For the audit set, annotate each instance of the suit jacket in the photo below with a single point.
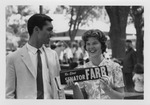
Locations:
(20, 75)
(129, 61)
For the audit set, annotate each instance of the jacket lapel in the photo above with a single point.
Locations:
(53, 86)
(27, 60)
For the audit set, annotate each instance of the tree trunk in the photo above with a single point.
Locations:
(71, 24)
(118, 18)
(139, 24)
(74, 24)
(139, 45)
(41, 9)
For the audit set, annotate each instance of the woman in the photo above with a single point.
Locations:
(111, 87)
(138, 78)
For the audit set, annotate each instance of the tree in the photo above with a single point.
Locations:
(79, 16)
(137, 13)
(17, 26)
(118, 19)
(21, 12)
(43, 10)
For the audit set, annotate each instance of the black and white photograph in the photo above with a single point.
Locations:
(85, 52)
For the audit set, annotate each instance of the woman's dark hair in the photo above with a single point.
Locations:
(96, 34)
(138, 68)
(38, 20)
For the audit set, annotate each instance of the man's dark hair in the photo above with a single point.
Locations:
(129, 41)
(38, 20)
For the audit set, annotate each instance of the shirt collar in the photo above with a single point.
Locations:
(33, 49)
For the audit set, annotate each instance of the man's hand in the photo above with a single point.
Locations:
(71, 84)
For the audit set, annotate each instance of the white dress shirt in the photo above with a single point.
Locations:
(68, 53)
(45, 73)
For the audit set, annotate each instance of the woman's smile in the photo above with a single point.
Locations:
(93, 46)
(93, 50)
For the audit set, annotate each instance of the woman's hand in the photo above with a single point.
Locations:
(104, 84)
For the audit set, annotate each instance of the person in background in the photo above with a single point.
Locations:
(59, 49)
(129, 62)
(30, 71)
(78, 53)
(110, 87)
(68, 55)
(73, 47)
(138, 78)
(52, 46)
(85, 53)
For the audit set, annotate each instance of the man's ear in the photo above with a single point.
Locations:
(36, 29)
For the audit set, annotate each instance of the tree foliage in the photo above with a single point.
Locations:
(16, 21)
(79, 16)
(20, 11)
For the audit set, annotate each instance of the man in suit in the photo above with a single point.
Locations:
(30, 71)
(129, 62)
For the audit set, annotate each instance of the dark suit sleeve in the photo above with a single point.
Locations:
(10, 78)
(134, 57)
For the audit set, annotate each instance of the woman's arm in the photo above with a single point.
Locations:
(113, 93)
(117, 93)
